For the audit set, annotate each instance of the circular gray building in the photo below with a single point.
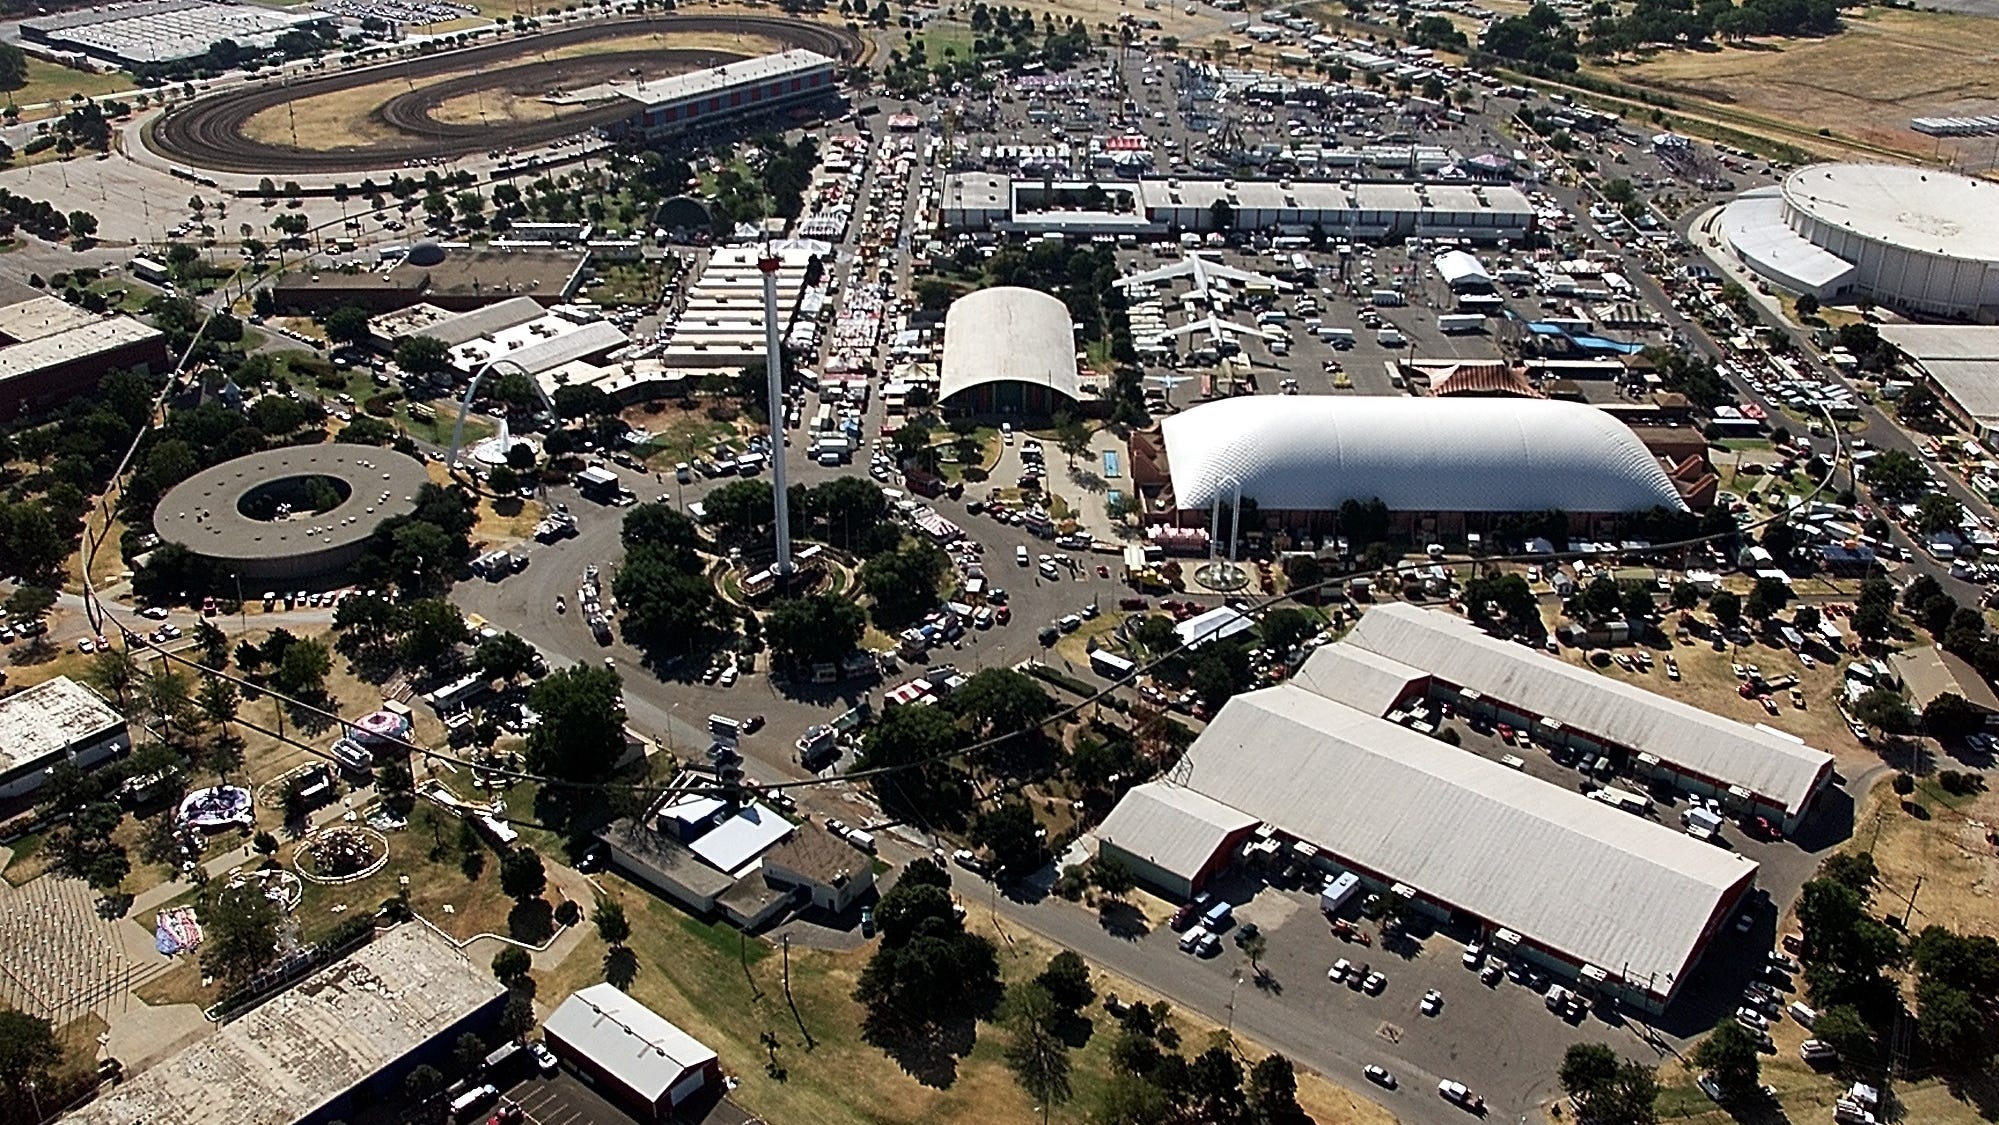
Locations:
(1917, 239)
(290, 513)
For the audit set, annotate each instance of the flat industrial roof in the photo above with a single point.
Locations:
(1594, 883)
(1331, 195)
(1962, 358)
(48, 719)
(1768, 765)
(1366, 681)
(1926, 209)
(311, 1043)
(202, 513)
(714, 79)
(42, 316)
(102, 334)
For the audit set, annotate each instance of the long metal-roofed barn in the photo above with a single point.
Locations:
(1752, 769)
(1621, 903)
(1457, 455)
(1008, 350)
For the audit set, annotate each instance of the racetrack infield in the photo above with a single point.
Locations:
(359, 120)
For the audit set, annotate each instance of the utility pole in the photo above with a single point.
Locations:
(1911, 908)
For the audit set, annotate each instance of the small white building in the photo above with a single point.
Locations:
(53, 722)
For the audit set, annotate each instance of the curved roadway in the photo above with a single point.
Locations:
(211, 132)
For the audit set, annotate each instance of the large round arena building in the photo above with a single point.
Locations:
(1914, 239)
(290, 513)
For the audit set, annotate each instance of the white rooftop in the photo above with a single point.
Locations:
(1598, 885)
(714, 79)
(1172, 827)
(738, 841)
(633, 1043)
(1753, 223)
(1766, 764)
(1924, 209)
(50, 718)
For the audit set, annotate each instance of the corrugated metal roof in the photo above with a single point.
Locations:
(1599, 885)
(1760, 761)
(1755, 226)
(635, 1044)
(1176, 829)
(1367, 681)
(1413, 454)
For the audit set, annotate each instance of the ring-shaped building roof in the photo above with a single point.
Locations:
(1008, 334)
(1312, 453)
(204, 512)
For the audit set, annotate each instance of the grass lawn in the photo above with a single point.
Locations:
(679, 433)
(53, 82)
(729, 991)
(625, 284)
(27, 860)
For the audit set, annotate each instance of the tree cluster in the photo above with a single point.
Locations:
(1608, 1090)
(581, 735)
(664, 595)
(928, 970)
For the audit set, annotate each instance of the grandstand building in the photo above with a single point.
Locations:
(731, 91)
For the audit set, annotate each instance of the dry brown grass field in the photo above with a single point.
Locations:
(1864, 85)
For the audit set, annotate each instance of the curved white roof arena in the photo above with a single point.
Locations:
(1414, 454)
(1008, 334)
(1921, 209)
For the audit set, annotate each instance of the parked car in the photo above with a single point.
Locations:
(1379, 1076)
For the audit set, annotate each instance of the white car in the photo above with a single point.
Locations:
(1433, 1002)
(1474, 953)
(156, 612)
(1338, 973)
(1751, 1018)
(1374, 983)
(1379, 1076)
(1048, 571)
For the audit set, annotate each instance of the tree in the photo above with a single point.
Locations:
(1035, 1051)
(82, 225)
(1950, 717)
(301, 672)
(1010, 833)
(423, 1083)
(1731, 1055)
(1273, 1090)
(813, 629)
(30, 603)
(347, 324)
(1608, 1090)
(1726, 607)
(1841, 1028)
(503, 657)
(522, 876)
(1002, 701)
(581, 735)
(1807, 306)
(1072, 436)
(665, 600)
(432, 629)
(1884, 709)
(903, 582)
(511, 964)
(1767, 599)
(239, 932)
(1893, 473)
(1066, 980)
(927, 968)
(423, 355)
(612, 925)
(1939, 512)
(29, 1052)
(1112, 878)
(1284, 629)
(1951, 1024)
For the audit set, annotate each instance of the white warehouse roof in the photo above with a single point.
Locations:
(1593, 883)
(1768, 765)
(1174, 828)
(1008, 333)
(1349, 674)
(1311, 453)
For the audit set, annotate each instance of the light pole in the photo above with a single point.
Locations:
(770, 263)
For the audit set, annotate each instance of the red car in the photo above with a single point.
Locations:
(1131, 603)
(1003, 614)
(1761, 828)
(1506, 734)
(1103, 571)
